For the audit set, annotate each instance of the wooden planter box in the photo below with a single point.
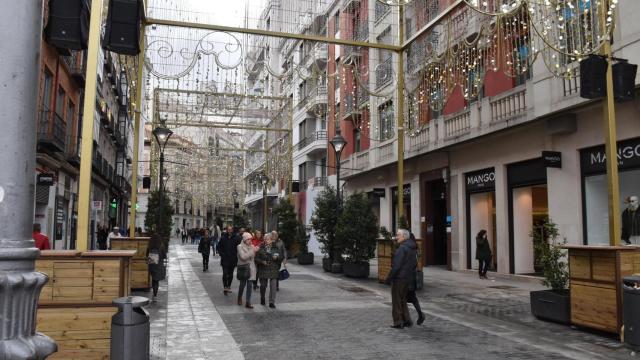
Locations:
(139, 268)
(75, 305)
(386, 248)
(596, 274)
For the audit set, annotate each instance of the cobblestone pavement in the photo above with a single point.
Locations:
(326, 316)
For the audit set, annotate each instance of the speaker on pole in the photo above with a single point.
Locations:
(146, 182)
(122, 34)
(68, 24)
(624, 81)
(295, 186)
(593, 71)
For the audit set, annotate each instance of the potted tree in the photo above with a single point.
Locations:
(159, 223)
(287, 224)
(324, 222)
(357, 231)
(553, 304)
(304, 256)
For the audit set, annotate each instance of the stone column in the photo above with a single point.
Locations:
(20, 285)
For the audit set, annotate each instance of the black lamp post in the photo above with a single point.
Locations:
(265, 181)
(338, 142)
(234, 194)
(162, 135)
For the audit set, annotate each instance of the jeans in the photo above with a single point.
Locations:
(227, 276)
(483, 266)
(399, 307)
(214, 245)
(244, 283)
(272, 289)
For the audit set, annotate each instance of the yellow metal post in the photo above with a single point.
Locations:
(400, 113)
(610, 141)
(136, 138)
(84, 188)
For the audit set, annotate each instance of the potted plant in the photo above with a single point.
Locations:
(357, 230)
(553, 304)
(161, 223)
(304, 256)
(287, 224)
(324, 222)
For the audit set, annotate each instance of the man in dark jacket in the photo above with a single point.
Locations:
(228, 250)
(402, 271)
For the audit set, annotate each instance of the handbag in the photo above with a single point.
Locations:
(244, 272)
(284, 274)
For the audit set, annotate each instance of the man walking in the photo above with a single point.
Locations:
(228, 250)
(215, 237)
(402, 268)
(42, 241)
(114, 234)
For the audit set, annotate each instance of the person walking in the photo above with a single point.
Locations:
(204, 248)
(256, 241)
(269, 259)
(247, 271)
(403, 267)
(280, 245)
(215, 237)
(228, 250)
(42, 240)
(183, 234)
(102, 234)
(483, 253)
(412, 298)
(156, 255)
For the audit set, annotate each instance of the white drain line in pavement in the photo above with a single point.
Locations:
(192, 316)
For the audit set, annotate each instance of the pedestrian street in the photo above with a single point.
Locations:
(323, 316)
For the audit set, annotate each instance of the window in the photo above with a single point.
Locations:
(323, 167)
(385, 112)
(336, 22)
(46, 90)
(356, 140)
(60, 102)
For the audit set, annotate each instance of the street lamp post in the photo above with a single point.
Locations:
(338, 142)
(265, 181)
(234, 194)
(20, 285)
(162, 135)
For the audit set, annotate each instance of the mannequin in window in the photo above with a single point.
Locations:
(631, 222)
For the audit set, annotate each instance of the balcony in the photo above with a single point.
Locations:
(319, 181)
(52, 132)
(73, 149)
(76, 64)
(351, 110)
(350, 5)
(509, 106)
(317, 97)
(97, 162)
(457, 125)
(316, 141)
(362, 97)
(381, 10)
(384, 72)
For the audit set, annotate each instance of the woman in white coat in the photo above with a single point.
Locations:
(246, 271)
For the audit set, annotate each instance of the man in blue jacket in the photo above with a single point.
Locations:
(403, 266)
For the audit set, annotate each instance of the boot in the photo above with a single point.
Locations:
(239, 302)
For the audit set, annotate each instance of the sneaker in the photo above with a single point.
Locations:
(400, 326)
(248, 306)
(239, 302)
(262, 302)
(421, 318)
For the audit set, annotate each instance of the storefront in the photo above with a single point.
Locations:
(481, 212)
(594, 188)
(528, 205)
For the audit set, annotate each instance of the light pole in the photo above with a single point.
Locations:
(162, 135)
(234, 194)
(265, 181)
(20, 285)
(338, 142)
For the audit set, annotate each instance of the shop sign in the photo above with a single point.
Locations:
(593, 160)
(380, 192)
(45, 179)
(406, 191)
(482, 180)
(96, 205)
(552, 159)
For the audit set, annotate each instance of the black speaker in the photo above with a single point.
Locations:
(295, 186)
(593, 83)
(122, 34)
(68, 24)
(624, 81)
(146, 182)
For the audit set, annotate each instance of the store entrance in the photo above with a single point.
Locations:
(482, 216)
(436, 221)
(530, 208)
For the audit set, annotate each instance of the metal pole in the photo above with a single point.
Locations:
(161, 192)
(20, 285)
(264, 208)
(136, 139)
(611, 146)
(400, 114)
(336, 266)
(84, 186)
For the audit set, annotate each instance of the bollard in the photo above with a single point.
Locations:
(130, 329)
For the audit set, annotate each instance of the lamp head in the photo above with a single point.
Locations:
(162, 135)
(338, 142)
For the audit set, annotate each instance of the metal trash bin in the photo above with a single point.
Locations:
(631, 310)
(130, 329)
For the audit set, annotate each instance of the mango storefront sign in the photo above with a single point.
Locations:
(593, 160)
(481, 180)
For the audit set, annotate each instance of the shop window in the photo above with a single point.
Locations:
(386, 114)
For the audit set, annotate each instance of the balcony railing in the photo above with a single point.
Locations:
(350, 106)
(571, 85)
(509, 106)
(381, 10)
(362, 161)
(319, 181)
(52, 131)
(458, 124)
(385, 151)
(384, 73)
(317, 135)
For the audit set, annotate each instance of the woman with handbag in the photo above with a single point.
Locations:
(246, 271)
(156, 255)
(269, 258)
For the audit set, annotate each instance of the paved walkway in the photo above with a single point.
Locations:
(325, 316)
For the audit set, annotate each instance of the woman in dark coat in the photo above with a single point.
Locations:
(269, 258)
(483, 253)
(228, 250)
(204, 248)
(156, 255)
